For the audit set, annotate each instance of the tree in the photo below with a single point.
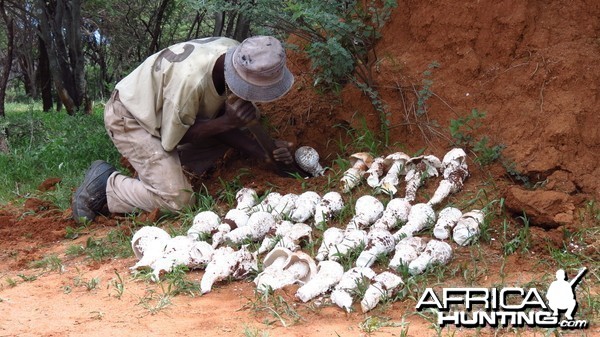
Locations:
(10, 36)
(60, 30)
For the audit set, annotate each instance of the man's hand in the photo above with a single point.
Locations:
(282, 152)
(239, 112)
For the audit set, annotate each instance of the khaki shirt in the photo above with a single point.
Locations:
(173, 87)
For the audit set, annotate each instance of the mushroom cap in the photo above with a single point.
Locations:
(308, 160)
(456, 154)
(237, 216)
(246, 198)
(369, 208)
(204, 223)
(365, 157)
(146, 237)
(397, 157)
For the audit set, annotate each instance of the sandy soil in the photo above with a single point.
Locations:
(529, 65)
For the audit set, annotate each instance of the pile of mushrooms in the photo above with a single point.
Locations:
(281, 225)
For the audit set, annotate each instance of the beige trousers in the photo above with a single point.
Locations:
(161, 182)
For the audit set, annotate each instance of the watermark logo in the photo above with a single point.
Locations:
(510, 306)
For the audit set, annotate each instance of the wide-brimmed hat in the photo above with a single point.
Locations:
(255, 70)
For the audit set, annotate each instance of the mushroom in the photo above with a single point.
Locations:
(308, 160)
(201, 254)
(383, 285)
(329, 273)
(204, 224)
(257, 227)
(246, 198)
(396, 212)
(407, 250)
(353, 176)
(227, 262)
(420, 217)
(396, 162)
(447, 219)
(331, 237)
(148, 244)
(236, 218)
(283, 267)
(351, 280)
(353, 239)
(436, 252)
(376, 171)
(286, 235)
(268, 203)
(218, 237)
(467, 229)
(305, 206)
(417, 170)
(379, 242)
(285, 206)
(177, 252)
(454, 168)
(330, 205)
(366, 211)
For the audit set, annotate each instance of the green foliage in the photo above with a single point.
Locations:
(462, 128)
(43, 145)
(425, 92)
(340, 35)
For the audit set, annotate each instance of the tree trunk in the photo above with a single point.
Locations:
(219, 23)
(60, 29)
(44, 79)
(10, 34)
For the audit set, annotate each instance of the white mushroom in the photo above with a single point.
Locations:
(331, 237)
(283, 267)
(360, 163)
(246, 198)
(285, 207)
(201, 253)
(446, 220)
(218, 237)
(177, 252)
(376, 171)
(420, 217)
(383, 285)
(329, 273)
(342, 294)
(227, 262)
(396, 162)
(418, 170)
(287, 235)
(379, 242)
(454, 167)
(204, 224)
(330, 205)
(436, 252)
(257, 227)
(148, 245)
(236, 218)
(308, 160)
(268, 203)
(407, 250)
(396, 212)
(305, 206)
(366, 211)
(467, 228)
(353, 239)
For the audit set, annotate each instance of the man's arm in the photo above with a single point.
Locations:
(236, 114)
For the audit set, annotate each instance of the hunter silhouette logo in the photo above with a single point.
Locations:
(509, 306)
(561, 293)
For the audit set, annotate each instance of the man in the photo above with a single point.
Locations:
(173, 112)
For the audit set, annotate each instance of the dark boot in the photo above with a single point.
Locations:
(90, 197)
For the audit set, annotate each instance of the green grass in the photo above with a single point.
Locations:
(50, 144)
